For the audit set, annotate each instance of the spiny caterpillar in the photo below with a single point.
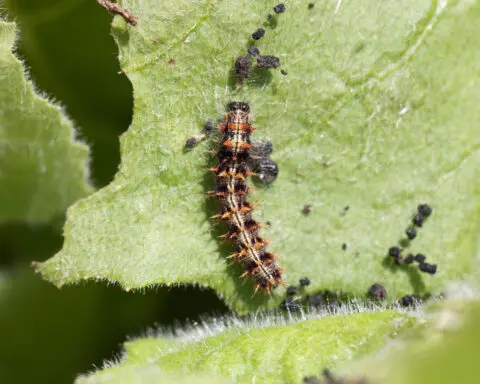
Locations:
(235, 158)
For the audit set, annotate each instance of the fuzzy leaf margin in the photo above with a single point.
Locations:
(276, 351)
(43, 169)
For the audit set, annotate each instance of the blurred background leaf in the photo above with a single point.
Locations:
(454, 359)
(71, 56)
(442, 353)
(42, 168)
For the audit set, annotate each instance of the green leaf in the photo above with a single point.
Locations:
(378, 112)
(452, 361)
(42, 168)
(152, 374)
(442, 353)
(83, 77)
(269, 353)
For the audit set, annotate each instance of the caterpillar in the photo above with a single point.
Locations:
(235, 156)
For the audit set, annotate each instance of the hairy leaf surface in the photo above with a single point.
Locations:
(268, 353)
(378, 113)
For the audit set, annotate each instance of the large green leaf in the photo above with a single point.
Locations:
(42, 168)
(268, 353)
(378, 112)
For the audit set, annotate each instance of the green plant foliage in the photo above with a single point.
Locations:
(152, 374)
(271, 353)
(378, 112)
(76, 327)
(442, 353)
(42, 167)
(67, 47)
(455, 360)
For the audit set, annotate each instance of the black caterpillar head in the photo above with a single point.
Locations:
(238, 105)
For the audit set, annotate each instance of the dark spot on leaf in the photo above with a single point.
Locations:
(191, 142)
(418, 220)
(377, 292)
(258, 34)
(279, 8)
(267, 169)
(304, 281)
(242, 66)
(254, 51)
(411, 233)
(307, 208)
(428, 268)
(208, 126)
(292, 290)
(261, 148)
(420, 258)
(317, 300)
(311, 380)
(408, 300)
(290, 305)
(268, 61)
(424, 210)
(394, 252)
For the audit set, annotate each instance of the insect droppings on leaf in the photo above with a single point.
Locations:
(268, 61)
(242, 67)
(307, 208)
(304, 282)
(411, 233)
(258, 34)
(254, 51)
(377, 292)
(279, 8)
